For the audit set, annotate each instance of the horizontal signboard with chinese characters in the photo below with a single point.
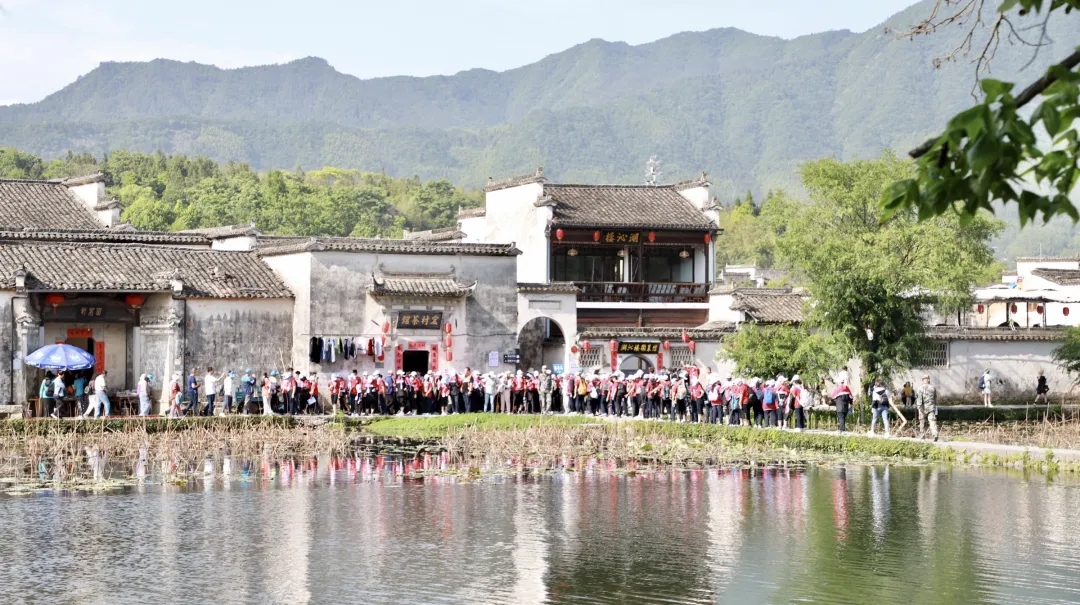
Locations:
(419, 320)
(621, 237)
(639, 347)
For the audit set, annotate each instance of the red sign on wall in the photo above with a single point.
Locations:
(659, 359)
(80, 333)
(99, 357)
(417, 346)
(399, 357)
(433, 359)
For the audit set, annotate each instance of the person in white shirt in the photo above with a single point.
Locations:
(230, 391)
(101, 397)
(59, 391)
(984, 388)
(142, 389)
(210, 384)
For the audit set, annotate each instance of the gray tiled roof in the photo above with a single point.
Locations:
(104, 235)
(770, 306)
(139, 268)
(710, 331)
(427, 285)
(270, 246)
(525, 179)
(224, 231)
(42, 205)
(444, 234)
(555, 287)
(630, 206)
(1061, 277)
(472, 213)
(1024, 334)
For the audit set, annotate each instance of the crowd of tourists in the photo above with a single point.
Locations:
(690, 394)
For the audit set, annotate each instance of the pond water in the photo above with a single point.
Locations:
(358, 531)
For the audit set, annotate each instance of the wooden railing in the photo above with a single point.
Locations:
(638, 292)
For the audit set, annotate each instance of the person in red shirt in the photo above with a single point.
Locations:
(798, 395)
(783, 394)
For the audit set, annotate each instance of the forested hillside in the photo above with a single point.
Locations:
(163, 193)
(747, 109)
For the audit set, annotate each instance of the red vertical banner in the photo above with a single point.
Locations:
(659, 359)
(99, 357)
(433, 359)
(614, 359)
(399, 357)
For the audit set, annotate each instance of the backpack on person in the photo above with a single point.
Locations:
(982, 382)
(806, 398)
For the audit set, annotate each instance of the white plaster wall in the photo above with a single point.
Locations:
(511, 216)
(560, 308)
(698, 196)
(1024, 268)
(1014, 365)
(475, 229)
(90, 193)
(295, 271)
(242, 243)
(720, 308)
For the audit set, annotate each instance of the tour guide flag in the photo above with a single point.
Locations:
(60, 357)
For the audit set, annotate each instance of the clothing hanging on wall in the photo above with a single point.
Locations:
(315, 352)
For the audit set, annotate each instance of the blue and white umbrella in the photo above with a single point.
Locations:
(60, 357)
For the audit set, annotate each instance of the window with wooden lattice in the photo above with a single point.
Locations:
(934, 355)
(592, 358)
(678, 357)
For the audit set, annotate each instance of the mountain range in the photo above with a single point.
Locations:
(748, 109)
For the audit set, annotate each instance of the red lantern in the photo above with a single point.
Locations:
(596, 236)
(1065, 311)
(449, 356)
(708, 237)
(614, 344)
(54, 300)
(585, 346)
(981, 309)
(692, 346)
(1038, 308)
(573, 349)
(448, 328)
(667, 345)
(385, 327)
(134, 300)
(685, 336)
(559, 233)
(652, 236)
(1012, 308)
(449, 342)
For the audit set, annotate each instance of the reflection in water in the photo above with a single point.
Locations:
(371, 530)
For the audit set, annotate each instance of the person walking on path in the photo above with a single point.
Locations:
(879, 401)
(1041, 389)
(926, 403)
(842, 398)
(45, 393)
(984, 387)
(229, 391)
(210, 388)
(142, 389)
(101, 397)
(546, 385)
(192, 393)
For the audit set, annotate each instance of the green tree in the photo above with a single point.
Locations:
(1067, 354)
(993, 151)
(770, 350)
(868, 275)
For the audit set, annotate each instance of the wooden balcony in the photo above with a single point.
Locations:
(624, 292)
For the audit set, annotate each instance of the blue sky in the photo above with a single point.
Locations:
(46, 44)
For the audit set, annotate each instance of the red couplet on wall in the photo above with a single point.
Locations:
(417, 346)
(99, 357)
(433, 359)
(659, 359)
(399, 357)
